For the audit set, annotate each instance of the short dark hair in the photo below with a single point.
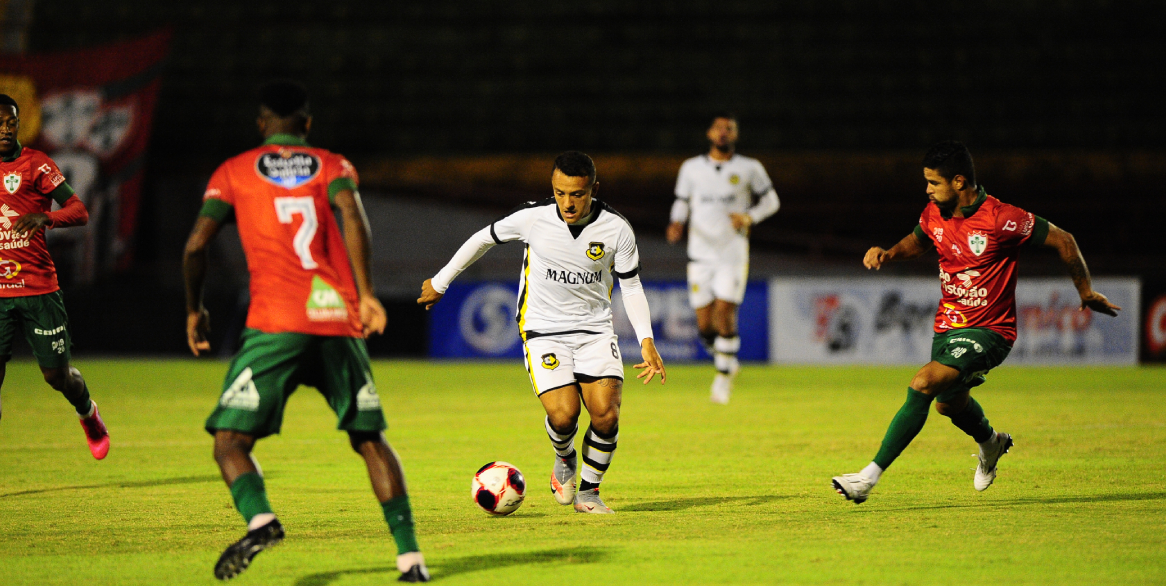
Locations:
(6, 100)
(575, 164)
(950, 158)
(723, 114)
(285, 98)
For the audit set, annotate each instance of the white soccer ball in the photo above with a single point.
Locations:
(498, 488)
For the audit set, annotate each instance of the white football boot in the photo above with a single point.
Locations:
(588, 501)
(722, 386)
(563, 479)
(855, 487)
(986, 471)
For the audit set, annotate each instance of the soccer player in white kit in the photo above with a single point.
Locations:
(574, 246)
(715, 195)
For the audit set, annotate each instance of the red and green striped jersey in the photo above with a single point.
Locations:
(977, 262)
(31, 182)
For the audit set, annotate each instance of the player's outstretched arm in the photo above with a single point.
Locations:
(1066, 246)
(652, 364)
(433, 289)
(358, 243)
(194, 263)
(907, 248)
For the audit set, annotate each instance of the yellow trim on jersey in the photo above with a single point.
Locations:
(525, 293)
(529, 366)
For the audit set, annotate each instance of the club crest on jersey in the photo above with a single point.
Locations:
(12, 182)
(287, 168)
(550, 361)
(977, 242)
(734, 179)
(595, 250)
(9, 268)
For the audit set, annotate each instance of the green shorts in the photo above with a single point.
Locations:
(45, 325)
(269, 368)
(973, 352)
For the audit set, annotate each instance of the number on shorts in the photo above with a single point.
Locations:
(614, 350)
(59, 346)
(285, 208)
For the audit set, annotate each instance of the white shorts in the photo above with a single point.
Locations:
(712, 280)
(554, 361)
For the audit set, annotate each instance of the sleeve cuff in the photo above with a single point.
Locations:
(62, 193)
(921, 236)
(340, 184)
(216, 209)
(1040, 231)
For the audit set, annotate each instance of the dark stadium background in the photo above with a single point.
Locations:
(452, 111)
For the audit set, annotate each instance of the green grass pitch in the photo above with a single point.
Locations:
(704, 494)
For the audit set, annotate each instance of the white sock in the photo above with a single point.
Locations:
(872, 471)
(406, 561)
(987, 445)
(260, 520)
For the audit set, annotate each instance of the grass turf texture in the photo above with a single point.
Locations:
(704, 494)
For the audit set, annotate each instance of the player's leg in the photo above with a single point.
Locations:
(931, 380)
(550, 364)
(974, 352)
(45, 325)
(700, 297)
(725, 349)
(259, 381)
(343, 374)
(599, 369)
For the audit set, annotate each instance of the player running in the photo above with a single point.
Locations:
(30, 300)
(714, 195)
(312, 305)
(978, 239)
(574, 245)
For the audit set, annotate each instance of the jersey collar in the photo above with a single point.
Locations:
(285, 140)
(15, 153)
(576, 229)
(969, 210)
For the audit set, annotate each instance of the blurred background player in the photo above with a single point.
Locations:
(978, 239)
(715, 195)
(312, 305)
(30, 299)
(574, 245)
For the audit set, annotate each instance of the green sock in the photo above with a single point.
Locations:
(82, 403)
(973, 422)
(250, 495)
(400, 519)
(904, 427)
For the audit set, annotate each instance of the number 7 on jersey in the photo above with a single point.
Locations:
(285, 208)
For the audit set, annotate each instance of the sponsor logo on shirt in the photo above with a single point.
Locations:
(7, 213)
(595, 250)
(287, 168)
(325, 303)
(9, 268)
(550, 361)
(12, 182)
(965, 288)
(977, 242)
(574, 278)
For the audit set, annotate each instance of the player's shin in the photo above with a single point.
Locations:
(908, 422)
(725, 354)
(564, 443)
(250, 496)
(973, 422)
(597, 451)
(399, 516)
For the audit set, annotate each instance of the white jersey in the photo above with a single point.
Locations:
(567, 272)
(713, 190)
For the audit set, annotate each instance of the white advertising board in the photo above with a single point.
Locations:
(880, 320)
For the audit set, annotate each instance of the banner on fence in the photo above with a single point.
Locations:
(889, 321)
(476, 320)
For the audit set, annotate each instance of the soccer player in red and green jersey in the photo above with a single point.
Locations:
(978, 239)
(30, 300)
(312, 305)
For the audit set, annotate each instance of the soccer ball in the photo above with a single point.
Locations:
(498, 488)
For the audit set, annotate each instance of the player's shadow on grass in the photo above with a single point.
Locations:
(1035, 500)
(464, 565)
(138, 484)
(688, 503)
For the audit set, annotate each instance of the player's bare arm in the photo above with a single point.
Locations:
(358, 243)
(1066, 246)
(675, 232)
(907, 248)
(652, 364)
(429, 296)
(194, 263)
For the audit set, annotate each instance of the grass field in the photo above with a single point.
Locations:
(705, 494)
